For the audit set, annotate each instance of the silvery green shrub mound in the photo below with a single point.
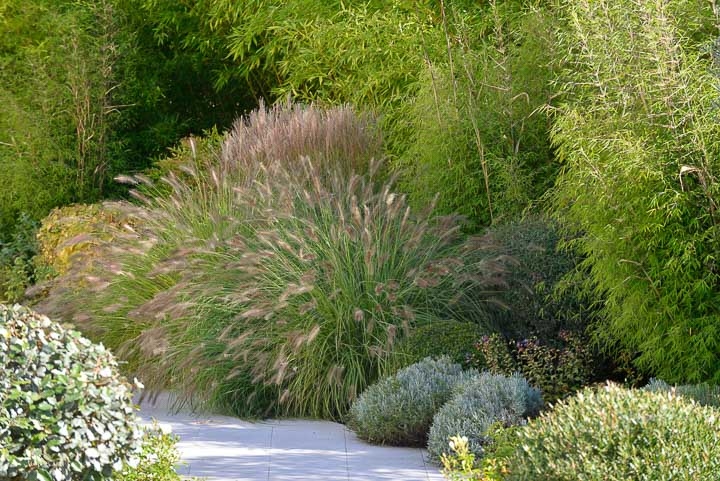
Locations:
(704, 394)
(65, 412)
(618, 434)
(484, 401)
(398, 410)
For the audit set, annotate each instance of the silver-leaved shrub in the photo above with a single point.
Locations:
(65, 412)
(484, 401)
(704, 394)
(399, 409)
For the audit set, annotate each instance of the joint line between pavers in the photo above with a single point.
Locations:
(427, 473)
(347, 461)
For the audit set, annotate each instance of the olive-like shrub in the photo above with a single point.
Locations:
(614, 434)
(486, 400)
(65, 413)
(399, 409)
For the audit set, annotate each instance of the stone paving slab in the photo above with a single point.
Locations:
(222, 448)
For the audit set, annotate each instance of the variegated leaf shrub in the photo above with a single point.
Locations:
(65, 413)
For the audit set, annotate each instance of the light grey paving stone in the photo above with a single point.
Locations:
(308, 472)
(375, 463)
(298, 464)
(304, 425)
(222, 448)
(284, 440)
(358, 454)
(383, 474)
(434, 470)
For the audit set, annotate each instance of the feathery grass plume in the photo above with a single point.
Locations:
(254, 286)
(339, 270)
(124, 290)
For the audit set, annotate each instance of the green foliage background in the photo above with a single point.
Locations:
(90, 90)
(638, 136)
(602, 113)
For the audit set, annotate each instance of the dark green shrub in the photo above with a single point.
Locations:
(65, 413)
(541, 300)
(440, 338)
(496, 354)
(614, 434)
(556, 371)
(398, 410)
(482, 402)
(704, 394)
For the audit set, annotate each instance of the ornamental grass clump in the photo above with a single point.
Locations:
(65, 413)
(399, 409)
(278, 276)
(614, 434)
(484, 401)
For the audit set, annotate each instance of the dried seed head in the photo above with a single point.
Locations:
(313, 333)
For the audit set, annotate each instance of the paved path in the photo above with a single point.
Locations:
(221, 448)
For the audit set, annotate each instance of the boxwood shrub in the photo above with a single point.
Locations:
(617, 434)
(535, 305)
(65, 413)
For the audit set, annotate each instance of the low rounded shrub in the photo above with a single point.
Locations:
(484, 401)
(617, 434)
(440, 338)
(399, 409)
(704, 394)
(65, 413)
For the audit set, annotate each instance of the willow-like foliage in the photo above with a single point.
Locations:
(639, 137)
